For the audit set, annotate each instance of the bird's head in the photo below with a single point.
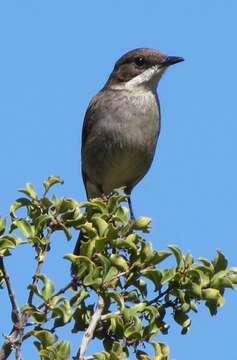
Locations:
(141, 66)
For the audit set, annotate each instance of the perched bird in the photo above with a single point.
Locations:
(122, 124)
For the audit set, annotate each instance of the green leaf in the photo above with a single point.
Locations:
(2, 225)
(119, 262)
(208, 264)
(100, 224)
(167, 275)
(178, 255)
(25, 227)
(153, 312)
(89, 230)
(142, 223)
(130, 312)
(29, 191)
(97, 205)
(52, 180)
(133, 330)
(146, 252)
(220, 281)
(62, 313)
(204, 272)
(232, 275)
(73, 218)
(159, 256)
(220, 262)
(112, 272)
(154, 275)
(121, 215)
(211, 294)
(101, 356)
(94, 278)
(124, 244)
(63, 350)
(82, 259)
(105, 262)
(21, 202)
(117, 350)
(195, 275)
(9, 242)
(142, 355)
(65, 205)
(118, 298)
(100, 244)
(87, 247)
(188, 260)
(55, 300)
(115, 200)
(77, 299)
(133, 296)
(81, 264)
(116, 325)
(112, 232)
(47, 354)
(195, 290)
(39, 316)
(45, 337)
(48, 288)
(161, 351)
(41, 221)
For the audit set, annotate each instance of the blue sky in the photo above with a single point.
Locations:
(55, 55)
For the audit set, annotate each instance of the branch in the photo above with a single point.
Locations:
(88, 335)
(7, 346)
(15, 310)
(11, 341)
(19, 321)
(40, 261)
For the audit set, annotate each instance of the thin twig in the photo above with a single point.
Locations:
(18, 353)
(19, 321)
(116, 277)
(89, 333)
(158, 297)
(16, 314)
(11, 341)
(34, 281)
(40, 261)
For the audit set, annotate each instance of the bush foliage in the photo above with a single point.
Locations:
(121, 293)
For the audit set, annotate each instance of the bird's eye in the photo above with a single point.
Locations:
(139, 61)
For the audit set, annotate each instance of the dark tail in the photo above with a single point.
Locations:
(76, 251)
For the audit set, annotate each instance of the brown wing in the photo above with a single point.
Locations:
(89, 121)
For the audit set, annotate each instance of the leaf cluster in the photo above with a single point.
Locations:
(116, 263)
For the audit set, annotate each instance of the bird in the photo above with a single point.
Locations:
(122, 125)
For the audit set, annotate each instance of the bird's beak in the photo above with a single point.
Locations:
(171, 60)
